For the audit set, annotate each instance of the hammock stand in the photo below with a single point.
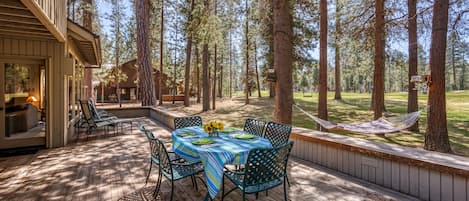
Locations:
(379, 126)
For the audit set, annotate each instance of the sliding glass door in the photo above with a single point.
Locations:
(22, 103)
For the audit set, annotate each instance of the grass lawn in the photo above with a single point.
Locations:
(353, 108)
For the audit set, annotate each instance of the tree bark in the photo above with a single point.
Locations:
(463, 74)
(412, 98)
(117, 55)
(220, 83)
(143, 53)
(453, 64)
(214, 95)
(187, 75)
(205, 77)
(160, 79)
(322, 98)
(197, 56)
(257, 71)
(283, 60)
(436, 136)
(214, 91)
(205, 69)
(246, 84)
(174, 87)
(378, 76)
(338, 88)
(88, 24)
(231, 66)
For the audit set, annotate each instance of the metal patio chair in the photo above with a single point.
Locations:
(278, 134)
(182, 122)
(255, 126)
(172, 170)
(99, 114)
(89, 122)
(154, 159)
(264, 170)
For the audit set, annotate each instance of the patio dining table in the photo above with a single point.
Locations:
(225, 149)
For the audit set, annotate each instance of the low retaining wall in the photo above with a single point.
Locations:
(130, 112)
(422, 174)
(160, 114)
(164, 116)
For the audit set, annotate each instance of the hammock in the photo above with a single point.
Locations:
(379, 126)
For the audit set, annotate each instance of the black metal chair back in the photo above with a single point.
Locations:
(87, 114)
(147, 132)
(278, 134)
(255, 126)
(164, 159)
(182, 122)
(266, 165)
(93, 109)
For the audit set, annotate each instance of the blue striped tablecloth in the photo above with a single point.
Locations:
(225, 150)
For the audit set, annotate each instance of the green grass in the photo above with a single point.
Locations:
(356, 108)
(352, 108)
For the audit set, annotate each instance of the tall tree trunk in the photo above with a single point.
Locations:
(463, 74)
(88, 24)
(187, 75)
(338, 88)
(214, 95)
(378, 76)
(322, 98)
(283, 60)
(436, 136)
(205, 68)
(412, 98)
(205, 77)
(453, 64)
(73, 10)
(197, 56)
(246, 84)
(257, 71)
(117, 56)
(143, 53)
(160, 79)
(231, 65)
(174, 87)
(220, 80)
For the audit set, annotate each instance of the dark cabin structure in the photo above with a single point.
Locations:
(129, 88)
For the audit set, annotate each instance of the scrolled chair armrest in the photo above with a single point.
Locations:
(184, 163)
(235, 171)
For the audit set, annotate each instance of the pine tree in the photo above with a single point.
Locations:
(143, 52)
(436, 136)
(283, 60)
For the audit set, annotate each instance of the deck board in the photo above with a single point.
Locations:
(114, 168)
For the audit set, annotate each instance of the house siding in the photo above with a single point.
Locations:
(54, 55)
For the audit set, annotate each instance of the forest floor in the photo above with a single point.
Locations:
(352, 108)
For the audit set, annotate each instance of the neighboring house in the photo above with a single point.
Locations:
(42, 60)
(129, 90)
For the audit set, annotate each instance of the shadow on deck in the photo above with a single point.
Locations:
(114, 168)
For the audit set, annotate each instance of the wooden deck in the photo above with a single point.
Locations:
(114, 168)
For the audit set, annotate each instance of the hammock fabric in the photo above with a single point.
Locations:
(381, 125)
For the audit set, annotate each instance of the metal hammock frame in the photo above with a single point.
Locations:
(379, 126)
